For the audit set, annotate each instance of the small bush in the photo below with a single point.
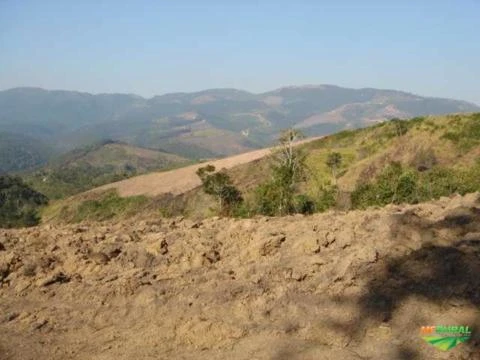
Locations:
(334, 161)
(327, 198)
(452, 136)
(272, 199)
(304, 205)
(406, 188)
(243, 210)
(220, 185)
(391, 186)
(438, 182)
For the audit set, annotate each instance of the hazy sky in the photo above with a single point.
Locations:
(153, 47)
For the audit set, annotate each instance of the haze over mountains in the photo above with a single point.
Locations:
(35, 123)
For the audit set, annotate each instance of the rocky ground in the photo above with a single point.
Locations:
(355, 285)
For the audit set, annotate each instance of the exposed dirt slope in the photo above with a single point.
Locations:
(354, 285)
(181, 180)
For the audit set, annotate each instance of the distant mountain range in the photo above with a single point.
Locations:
(210, 123)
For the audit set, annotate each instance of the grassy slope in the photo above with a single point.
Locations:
(84, 168)
(454, 140)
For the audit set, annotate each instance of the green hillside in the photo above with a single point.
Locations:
(392, 162)
(18, 152)
(396, 161)
(98, 164)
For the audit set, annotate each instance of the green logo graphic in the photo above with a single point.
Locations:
(445, 337)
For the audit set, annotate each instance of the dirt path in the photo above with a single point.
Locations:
(329, 286)
(181, 180)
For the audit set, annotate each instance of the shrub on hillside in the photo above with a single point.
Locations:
(303, 204)
(270, 200)
(393, 185)
(327, 198)
(220, 185)
(400, 127)
(18, 203)
(438, 182)
(334, 161)
(396, 184)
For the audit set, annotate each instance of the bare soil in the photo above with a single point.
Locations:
(355, 285)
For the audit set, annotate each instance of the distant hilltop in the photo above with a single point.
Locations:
(36, 124)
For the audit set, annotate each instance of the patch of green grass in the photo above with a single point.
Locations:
(398, 184)
(416, 120)
(464, 131)
(111, 205)
(366, 150)
(345, 134)
(206, 133)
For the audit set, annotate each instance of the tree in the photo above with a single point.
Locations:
(287, 155)
(334, 161)
(220, 185)
(276, 197)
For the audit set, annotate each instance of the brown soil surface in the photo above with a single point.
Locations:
(355, 285)
(180, 180)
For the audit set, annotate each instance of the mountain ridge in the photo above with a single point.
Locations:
(211, 123)
(299, 87)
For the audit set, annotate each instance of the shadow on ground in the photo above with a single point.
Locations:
(445, 271)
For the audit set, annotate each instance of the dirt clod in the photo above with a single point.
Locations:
(59, 277)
